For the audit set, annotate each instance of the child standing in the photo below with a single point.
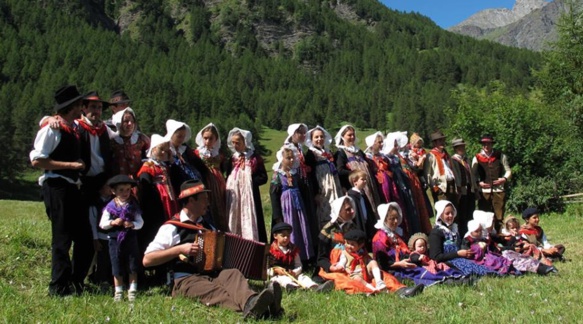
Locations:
(364, 216)
(287, 203)
(245, 173)
(285, 263)
(122, 217)
(357, 263)
(535, 235)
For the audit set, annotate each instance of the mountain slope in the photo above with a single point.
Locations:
(530, 24)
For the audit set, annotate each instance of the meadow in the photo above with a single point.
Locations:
(25, 272)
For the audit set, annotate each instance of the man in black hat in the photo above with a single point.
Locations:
(491, 171)
(228, 288)
(119, 101)
(465, 185)
(57, 152)
(438, 172)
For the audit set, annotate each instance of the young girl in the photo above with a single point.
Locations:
(535, 235)
(129, 146)
(185, 165)
(209, 145)
(122, 217)
(445, 241)
(350, 158)
(287, 203)
(419, 246)
(356, 263)
(325, 181)
(245, 173)
(285, 264)
(475, 241)
(295, 141)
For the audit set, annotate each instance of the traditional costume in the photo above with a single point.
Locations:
(128, 151)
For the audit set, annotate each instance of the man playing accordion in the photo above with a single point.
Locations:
(227, 288)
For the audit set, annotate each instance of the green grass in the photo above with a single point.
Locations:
(25, 272)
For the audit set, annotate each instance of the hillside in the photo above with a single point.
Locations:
(246, 64)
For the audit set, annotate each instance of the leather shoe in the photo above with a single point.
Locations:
(275, 308)
(325, 287)
(407, 292)
(258, 304)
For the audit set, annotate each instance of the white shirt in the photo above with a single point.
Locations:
(46, 141)
(167, 236)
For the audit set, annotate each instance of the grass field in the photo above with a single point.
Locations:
(25, 272)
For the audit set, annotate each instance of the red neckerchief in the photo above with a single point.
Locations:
(93, 130)
(359, 258)
(279, 255)
(440, 156)
(535, 230)
(483, 158)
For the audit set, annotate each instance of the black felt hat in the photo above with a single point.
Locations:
(527, 213)
(119, 97)
(191, 188)
(94, 96)
(281, 227)
(355, 235)
(65, 96)
(487, 138)
(121, 179)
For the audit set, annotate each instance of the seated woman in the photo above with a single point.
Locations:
(445, 242)
(329, 252)
(393, 254)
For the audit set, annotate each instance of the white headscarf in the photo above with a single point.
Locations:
(389, 143)
(337, 206)
(155, 140)
(473, 225)
(291, 129)
(340, 141)
(439, 209)
(117, 119)
(171, 127)
(279, 157)
(383, 210)
(247, 136)
(485, 219)
(327, 137)
(371, 139)
(202, 149)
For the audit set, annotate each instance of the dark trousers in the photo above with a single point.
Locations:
(449, 194)
(69, 224)
(465, 211)
(102, 269)
(494, 202)
(229, 289)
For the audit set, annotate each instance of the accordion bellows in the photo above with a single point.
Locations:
(230, 251)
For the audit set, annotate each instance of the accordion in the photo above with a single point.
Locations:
(220, 250)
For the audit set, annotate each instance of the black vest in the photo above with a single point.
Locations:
(488, 172)
(67, 151)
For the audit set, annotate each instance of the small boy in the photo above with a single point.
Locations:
(122, 217)
(100, 274)
(357, 263)
(285, 264)
(364, 216)
(535, 235)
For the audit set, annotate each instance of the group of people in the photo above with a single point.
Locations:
(146, 197)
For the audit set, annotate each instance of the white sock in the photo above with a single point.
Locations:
(376, 273)
(134, 286)
(118, 288)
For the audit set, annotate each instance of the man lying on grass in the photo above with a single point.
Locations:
(227, 288)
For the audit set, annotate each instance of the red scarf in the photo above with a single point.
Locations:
(483, 158)
(440, 156)
(93, 130)
(285, 258)
(359, 259)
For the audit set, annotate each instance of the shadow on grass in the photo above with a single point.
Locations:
(20, 190)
